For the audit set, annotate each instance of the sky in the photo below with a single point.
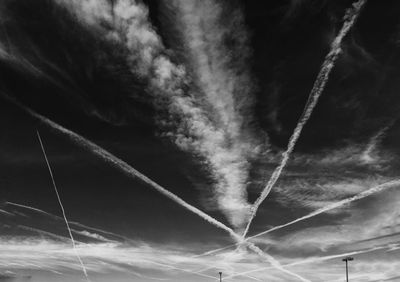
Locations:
(190, 137)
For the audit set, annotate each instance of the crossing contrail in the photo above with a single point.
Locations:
(319, 85)
(374, 190)
(62, 209)
(364, 194)
(131, 172)
(120, 164)
(316, 259)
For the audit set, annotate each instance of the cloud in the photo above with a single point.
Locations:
(215, 50)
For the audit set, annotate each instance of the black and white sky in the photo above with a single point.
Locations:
(189, 137)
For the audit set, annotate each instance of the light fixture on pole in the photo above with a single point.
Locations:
(220, 276)
(347, 267)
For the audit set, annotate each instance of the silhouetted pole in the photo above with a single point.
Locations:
(220, 276)
(347, 267)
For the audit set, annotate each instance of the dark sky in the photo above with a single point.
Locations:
(202, 98)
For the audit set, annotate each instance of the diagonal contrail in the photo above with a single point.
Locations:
(319, 85)
(374, 190)
(131, 172)
(62, 209)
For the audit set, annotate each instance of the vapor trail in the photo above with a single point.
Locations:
(316, 259)
(62, 209)
(362, 195)
(131, 172)
(319, 85)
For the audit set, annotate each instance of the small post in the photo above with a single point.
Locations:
(346, 260)
(220, 276)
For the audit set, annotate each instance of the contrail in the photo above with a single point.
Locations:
(62, 209)
(316, 259)
(362, 195)
(319, 85)
(127, 169)
(131, 172)
(123, 166)
(33, 209)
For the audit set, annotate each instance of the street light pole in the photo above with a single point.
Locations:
(220, 276)
(346, 260)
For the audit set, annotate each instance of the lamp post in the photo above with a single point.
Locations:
(220, 276)
(347, 267)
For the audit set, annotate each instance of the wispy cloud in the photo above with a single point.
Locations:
(216, 52)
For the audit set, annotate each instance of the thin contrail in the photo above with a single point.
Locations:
(131, 172)
(319, 85)
(62, 209)
(376, 189)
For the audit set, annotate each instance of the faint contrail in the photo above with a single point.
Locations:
(369, 192)
(319, 85)
(33, 209)
(131, 172)
(71, 223)
(62, 209)
(362, 195)
(6, 212)
(44, 233)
